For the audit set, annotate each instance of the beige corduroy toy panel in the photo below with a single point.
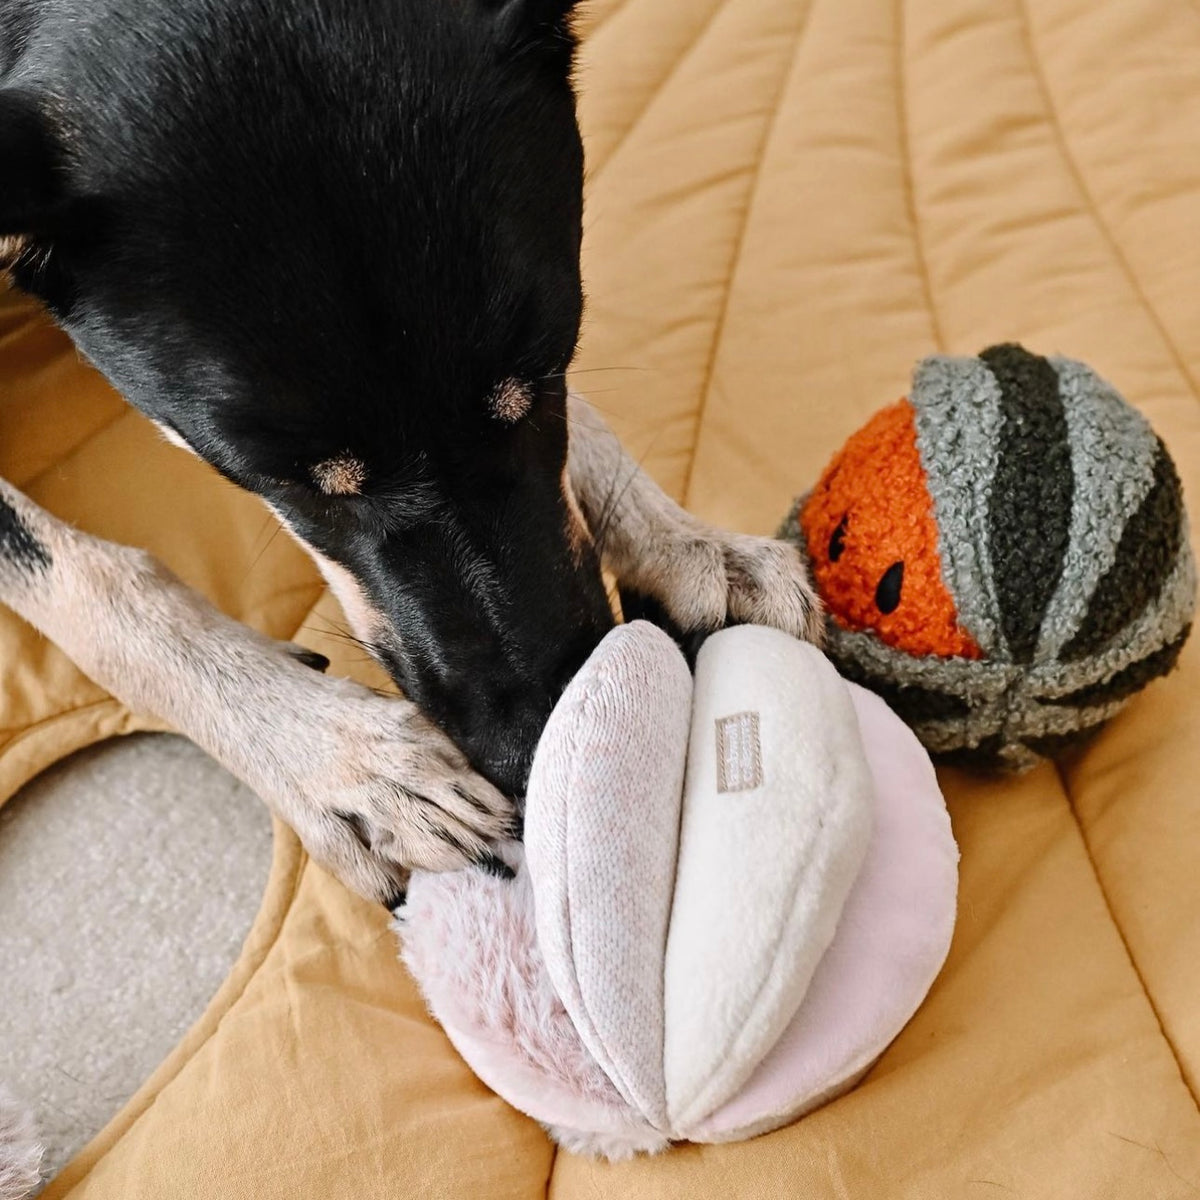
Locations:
(790, 202)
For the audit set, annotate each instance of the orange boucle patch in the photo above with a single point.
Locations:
(873, 542)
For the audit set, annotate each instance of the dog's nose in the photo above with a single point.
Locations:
(508, 721)
(502, 745)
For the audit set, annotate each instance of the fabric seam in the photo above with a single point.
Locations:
(301, 865)
(25, 731)
(594, 176)
(771, 122)
(1108, 908)
(908, 182)
(26, 484)
(1090, 206)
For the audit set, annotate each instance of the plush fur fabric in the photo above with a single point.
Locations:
(559, 987)
(468, 938)
(613, 1147)
(20, 1150)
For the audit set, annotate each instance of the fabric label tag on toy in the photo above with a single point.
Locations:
(739, 753)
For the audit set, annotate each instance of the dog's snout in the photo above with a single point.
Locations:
(491, 674)
(506, 736)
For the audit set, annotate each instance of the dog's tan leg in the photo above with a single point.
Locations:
(371, 786)
(703, 577)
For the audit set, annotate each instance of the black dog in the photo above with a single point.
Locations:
(332, 247)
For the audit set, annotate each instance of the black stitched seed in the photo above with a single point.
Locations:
(887, 592)
(837, 540)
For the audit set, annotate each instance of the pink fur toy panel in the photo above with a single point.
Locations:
(735, 891)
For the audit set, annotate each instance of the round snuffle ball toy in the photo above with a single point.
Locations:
(734, 892)
(1003, 555)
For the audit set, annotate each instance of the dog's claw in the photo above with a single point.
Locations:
(493, 864)
(309, 658)
(701, 581)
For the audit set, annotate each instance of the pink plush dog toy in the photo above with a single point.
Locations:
(734, 892)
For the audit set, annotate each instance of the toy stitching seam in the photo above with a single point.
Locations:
(1133, 963)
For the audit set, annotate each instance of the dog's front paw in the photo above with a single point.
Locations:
(768, 584)
(709, 579)
(374, 790)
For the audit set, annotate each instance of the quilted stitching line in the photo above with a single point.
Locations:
(1037, 66)
(607, 19)
(21, 732)
(1108, 908)
(115, 1136)
(740, 245)
(77, 448)
(595, 175)
(904, 146)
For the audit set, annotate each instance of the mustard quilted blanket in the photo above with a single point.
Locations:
(790, 201)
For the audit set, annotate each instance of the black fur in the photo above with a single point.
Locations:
(18, 546)
(29, 185)
(291, 229)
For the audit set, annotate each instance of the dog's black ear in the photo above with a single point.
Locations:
(31, 191)
(530, 23)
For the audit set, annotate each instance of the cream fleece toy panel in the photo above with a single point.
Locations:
(734, 892)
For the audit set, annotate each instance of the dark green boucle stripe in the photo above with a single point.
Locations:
(1124, 683)
(911, 702)
(1146, 556)
(1051, 745)
(987, 756)
(1029, 514)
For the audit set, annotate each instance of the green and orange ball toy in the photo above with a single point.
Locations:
(1003, 555)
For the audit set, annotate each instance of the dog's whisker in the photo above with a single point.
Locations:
(341, 633)
(266, 546)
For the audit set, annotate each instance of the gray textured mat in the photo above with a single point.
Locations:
(129, 876)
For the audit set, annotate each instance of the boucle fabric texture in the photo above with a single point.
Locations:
(1061, 544)
(887, 579)
(700, 958)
